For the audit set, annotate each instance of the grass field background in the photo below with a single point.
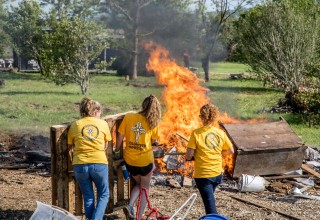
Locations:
(30, 104)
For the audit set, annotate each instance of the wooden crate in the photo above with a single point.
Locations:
(265, 148)
(65, 190)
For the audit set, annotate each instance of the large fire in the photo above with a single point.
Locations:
(183, 96)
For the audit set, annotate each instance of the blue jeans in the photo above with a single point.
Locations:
(85, 174)
(206, 187)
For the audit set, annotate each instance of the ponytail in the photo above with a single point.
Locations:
(151, 109)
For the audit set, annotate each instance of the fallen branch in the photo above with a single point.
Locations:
(14, 167)
(266, 207)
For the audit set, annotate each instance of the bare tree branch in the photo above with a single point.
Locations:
(121, 10)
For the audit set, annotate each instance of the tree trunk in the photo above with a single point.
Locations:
(84, 84)
(41, 67)
(135, 51)
(135, 58)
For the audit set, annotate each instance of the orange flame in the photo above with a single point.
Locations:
(183, 96)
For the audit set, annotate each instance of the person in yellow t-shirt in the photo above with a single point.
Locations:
(207, 145)
(141, 131)
(88, 139)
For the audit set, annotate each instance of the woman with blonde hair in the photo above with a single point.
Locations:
(141, 131)
(88, 138)
(207, 144)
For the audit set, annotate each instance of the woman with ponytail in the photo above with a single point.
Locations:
(88, 139)
(207, 144)
(141, 131)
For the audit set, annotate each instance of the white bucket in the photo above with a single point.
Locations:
(248, 183)
(50, 212)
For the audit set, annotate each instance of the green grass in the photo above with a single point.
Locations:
(224, 67)
(32, 104)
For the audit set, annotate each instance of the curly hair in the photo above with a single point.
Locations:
(88, 107)
(209, 114)
(151, 109)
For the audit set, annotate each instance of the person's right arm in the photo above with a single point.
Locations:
(70, 152)
(70, 140)
(189, 154)
(191, 147)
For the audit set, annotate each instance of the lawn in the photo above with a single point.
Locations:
(32, 104)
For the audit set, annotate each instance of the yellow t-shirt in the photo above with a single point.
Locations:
(89, 135)
(208, 143)
(138, 151)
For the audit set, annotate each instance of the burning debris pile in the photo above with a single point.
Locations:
(183, 96)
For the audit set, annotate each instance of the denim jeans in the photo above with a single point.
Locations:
(206, 187)
(85, 174)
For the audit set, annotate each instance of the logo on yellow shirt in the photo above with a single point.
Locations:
(138, 130)
(212, 140)
(90, 132)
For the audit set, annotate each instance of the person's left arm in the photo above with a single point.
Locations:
(229, 151)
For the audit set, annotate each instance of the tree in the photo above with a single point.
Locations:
(3, 35)
(214, 20)
(25, 27)
(86, 9)
(130, 11)
(74, 44)
(280, 41)
(135, 17)
(64, 43)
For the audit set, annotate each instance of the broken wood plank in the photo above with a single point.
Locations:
(307, 197)
(175, 153)
(310, 170)
(266, 207)
(182, 136)
(285, 177)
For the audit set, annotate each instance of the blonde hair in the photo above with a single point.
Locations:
(88, 107)
(151, 109)
(209, 114)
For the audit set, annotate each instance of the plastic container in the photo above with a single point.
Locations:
(213, 217)
(248, 183)
(125, 172)
(49, 212)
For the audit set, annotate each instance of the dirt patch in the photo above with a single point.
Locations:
(20, 189)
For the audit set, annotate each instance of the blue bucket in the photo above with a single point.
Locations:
(213, 217)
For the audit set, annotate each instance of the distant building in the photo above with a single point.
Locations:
(6, 61)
